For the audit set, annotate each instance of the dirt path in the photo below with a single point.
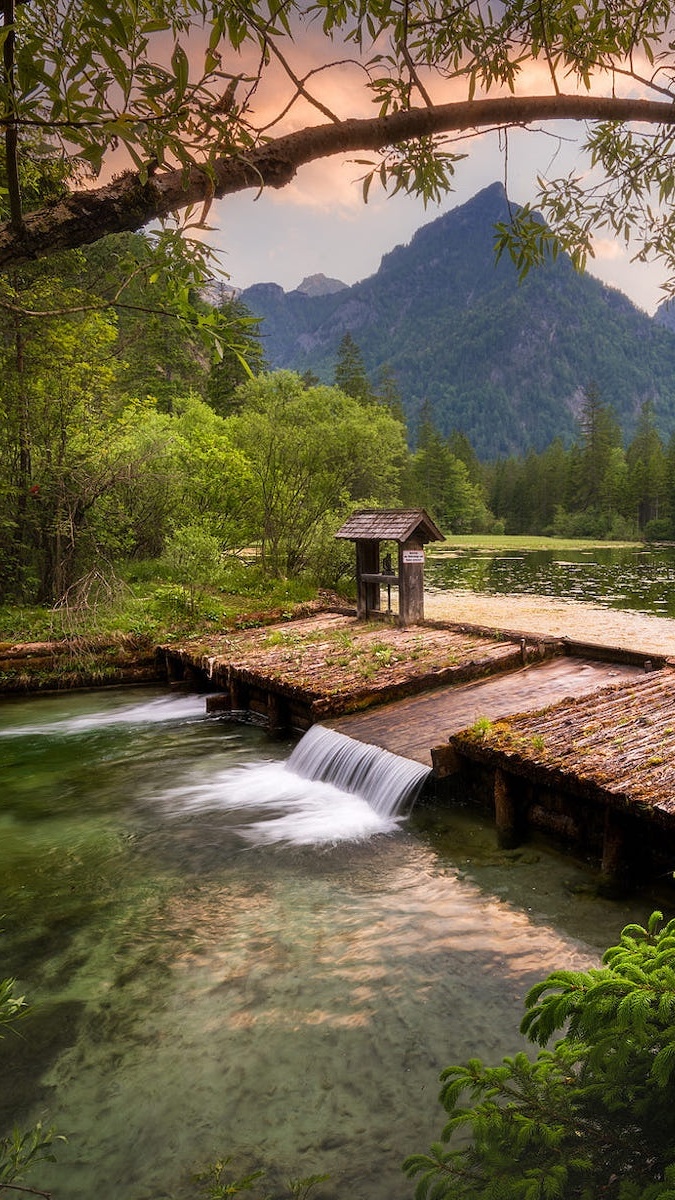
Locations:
(558, 618)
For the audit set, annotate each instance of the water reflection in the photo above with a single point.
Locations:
(638, 578)
(197, 995)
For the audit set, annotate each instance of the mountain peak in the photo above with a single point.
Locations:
(501, 361)
(320, 285)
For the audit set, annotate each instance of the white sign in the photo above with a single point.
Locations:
(413, 556)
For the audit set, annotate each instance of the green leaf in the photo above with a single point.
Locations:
(181, 68)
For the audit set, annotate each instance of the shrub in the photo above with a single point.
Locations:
(595, 1115)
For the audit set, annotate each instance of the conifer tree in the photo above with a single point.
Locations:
(600, 435)
(592, 1117)
(647, 469)
(350, 372)
(239, 360)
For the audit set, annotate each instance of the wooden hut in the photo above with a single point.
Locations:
(410, 529)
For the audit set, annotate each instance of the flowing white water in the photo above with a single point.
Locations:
(273, 805)
(169, 707)
(389, 783)
(331, 789)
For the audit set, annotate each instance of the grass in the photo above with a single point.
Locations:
(491, 541)
(148, 606)
(481, 727)
(144, 601)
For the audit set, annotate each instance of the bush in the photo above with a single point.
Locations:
(21, 1151)
(658, 530)
(594, 1116)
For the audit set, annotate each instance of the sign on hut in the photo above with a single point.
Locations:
(411, 529)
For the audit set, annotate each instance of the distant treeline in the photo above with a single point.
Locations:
(598, 487)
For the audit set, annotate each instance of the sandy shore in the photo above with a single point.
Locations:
(557, 618)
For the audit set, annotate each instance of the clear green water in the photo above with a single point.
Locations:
(638, 578)
(224, 964)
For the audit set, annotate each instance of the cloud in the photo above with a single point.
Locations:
(319, 222)
(607, 250)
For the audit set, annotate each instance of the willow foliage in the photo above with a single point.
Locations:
(201, 99)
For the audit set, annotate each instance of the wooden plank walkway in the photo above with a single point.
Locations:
(411, 727)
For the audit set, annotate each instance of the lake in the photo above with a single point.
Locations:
(223, 960)
(624, 577)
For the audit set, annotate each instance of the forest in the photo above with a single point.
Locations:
(130, 435)
(597, 487)
(141, 426)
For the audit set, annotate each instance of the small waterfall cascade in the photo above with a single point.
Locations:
(388, 782)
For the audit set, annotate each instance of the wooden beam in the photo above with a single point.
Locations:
(507, 816)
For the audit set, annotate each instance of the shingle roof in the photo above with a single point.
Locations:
(394, 524)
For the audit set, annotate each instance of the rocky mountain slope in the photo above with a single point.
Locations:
(505, 363)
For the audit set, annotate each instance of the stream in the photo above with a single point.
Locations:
(223, 960)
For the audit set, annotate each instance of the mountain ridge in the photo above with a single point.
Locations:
(505, 363)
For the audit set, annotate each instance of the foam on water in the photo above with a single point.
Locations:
(331, 789)
(273, 805)
(149, 712)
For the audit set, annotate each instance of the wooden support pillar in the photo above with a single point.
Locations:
(506, 812)
(615, 865)
(277, 724)
(194, 676)
(238, 694)
(175, 670)
(368, 593)
(445, 760)
(411, 582)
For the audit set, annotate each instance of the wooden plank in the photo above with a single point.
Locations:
(339, 663)
(411, 727)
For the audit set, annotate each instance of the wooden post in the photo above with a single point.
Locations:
(276, 725)
(614, 868)
(175, 670)
(411, 582)
(506, 812)
(238, 693)
(368, 592)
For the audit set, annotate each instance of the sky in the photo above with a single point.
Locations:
(319, 223)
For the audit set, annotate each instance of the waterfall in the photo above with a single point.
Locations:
(388, 782)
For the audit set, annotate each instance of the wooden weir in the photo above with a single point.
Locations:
(295, 673)
(597, 771)
(575, 741)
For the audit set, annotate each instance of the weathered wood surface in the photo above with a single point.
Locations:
(617, 744)
(336, 663)
(412, 727)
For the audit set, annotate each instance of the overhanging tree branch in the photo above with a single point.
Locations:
(129, 204)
